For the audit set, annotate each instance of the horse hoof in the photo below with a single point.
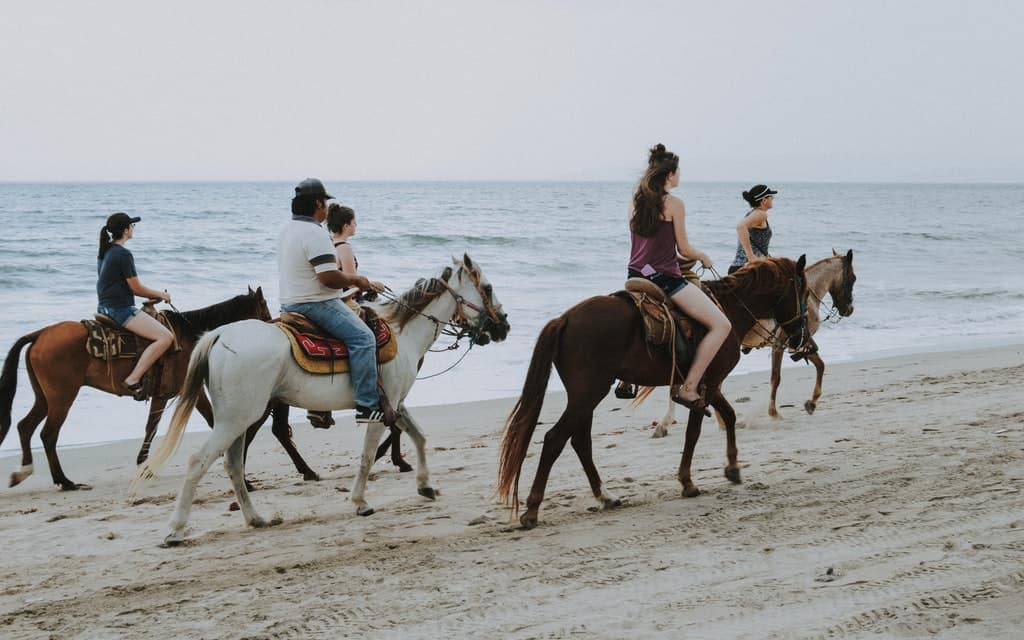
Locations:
(250, 487)
(809, 407)
(364, 511)
(15, 480)
(427, 492)
(173, 540)
(612, 503)
(259, 523)
(75, 486)
(311, 477)
(733, 474)
(528, 522)
(659, 433)
(692, 492)
(404, 467)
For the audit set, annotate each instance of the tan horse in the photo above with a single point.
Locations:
(833, 276)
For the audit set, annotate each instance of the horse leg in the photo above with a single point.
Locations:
(419, 440)
(582, 445)
(156, 411)
(554, 442)
(56, 413)
(819, 366)
(374, 431)
(223, 436)
(776, 378)
(727, 417)
(394, 443)
(26, 427)
(234, 464)
(283, 432)
(670, 416)
(693, 424)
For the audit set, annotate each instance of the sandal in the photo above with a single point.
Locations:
(137, 390)
(698, 404)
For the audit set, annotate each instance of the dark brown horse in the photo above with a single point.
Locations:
(58, 366)
(601, 339)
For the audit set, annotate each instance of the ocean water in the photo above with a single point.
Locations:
(938, 266)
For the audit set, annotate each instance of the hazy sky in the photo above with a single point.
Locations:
(767, 91)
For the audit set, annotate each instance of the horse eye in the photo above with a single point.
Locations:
(488, 289)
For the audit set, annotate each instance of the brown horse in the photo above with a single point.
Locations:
(58, 366)
(601, 339)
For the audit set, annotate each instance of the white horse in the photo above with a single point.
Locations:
(248, 364)
(833, 276)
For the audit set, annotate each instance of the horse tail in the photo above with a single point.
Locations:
(523, 419)
(9, 380)
(197, 375)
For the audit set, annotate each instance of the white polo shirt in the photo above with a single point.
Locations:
(304, 250)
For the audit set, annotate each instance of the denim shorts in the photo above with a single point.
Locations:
(120, 315)
(671, 285)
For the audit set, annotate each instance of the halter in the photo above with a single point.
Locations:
(832, 315)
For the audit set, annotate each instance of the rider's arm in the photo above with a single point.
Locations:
(143, 291)
(755, 219)
(335, 279)
(676, 211)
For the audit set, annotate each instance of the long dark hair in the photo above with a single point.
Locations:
(649, 199)
(338, 216)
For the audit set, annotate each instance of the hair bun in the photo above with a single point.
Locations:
(658, 153)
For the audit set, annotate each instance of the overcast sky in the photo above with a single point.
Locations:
(782, 91)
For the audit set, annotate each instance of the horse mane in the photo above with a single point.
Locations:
(760, 277)
(198, 321)
(411, 303)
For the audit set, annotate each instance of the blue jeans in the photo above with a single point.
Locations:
(334, 317)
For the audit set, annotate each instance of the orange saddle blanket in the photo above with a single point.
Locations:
(318, 353)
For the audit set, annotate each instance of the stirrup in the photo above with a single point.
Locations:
(625, 391)
(139, 390)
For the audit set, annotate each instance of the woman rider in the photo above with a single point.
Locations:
(117, 285)
(753, 230)
(657, 226)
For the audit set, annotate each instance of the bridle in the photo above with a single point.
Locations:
(776, 337)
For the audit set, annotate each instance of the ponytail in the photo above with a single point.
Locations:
(105, 243)
(649, 199)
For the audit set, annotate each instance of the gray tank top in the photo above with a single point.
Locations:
(759, 239)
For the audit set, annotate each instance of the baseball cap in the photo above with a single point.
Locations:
(120, 221)
(312, 187)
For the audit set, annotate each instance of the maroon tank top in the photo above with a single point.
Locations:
(657, 251)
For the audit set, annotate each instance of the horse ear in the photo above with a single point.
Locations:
(834, 252)
(801, 263)
(259, 292)
(250, 290)
(849, 255)
(467, 261)
(447, 273)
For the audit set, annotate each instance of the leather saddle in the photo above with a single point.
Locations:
(663, 324)
(108, 340)
(315, 351)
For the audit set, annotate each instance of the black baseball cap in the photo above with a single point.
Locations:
(312, 187)
(120, 221)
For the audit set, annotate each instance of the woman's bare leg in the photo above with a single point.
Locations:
(698, 306)
(148, 327)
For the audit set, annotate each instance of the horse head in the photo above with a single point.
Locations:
(841, 288)
(262, 311)
(478, 312)
(790, 312)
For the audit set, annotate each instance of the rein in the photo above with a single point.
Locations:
(774, 337)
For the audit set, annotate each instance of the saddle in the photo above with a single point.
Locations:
(663, 324)
(107, 340)
(317, 352)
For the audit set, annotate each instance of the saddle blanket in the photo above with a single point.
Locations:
(110, 343)
(316, 353)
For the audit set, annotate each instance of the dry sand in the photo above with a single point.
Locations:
(895, 511)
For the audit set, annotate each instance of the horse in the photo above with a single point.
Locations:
(833, 275)
(248, 365)
(601, 339)
(59, 365)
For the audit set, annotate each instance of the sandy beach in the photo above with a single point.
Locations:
(895, 511)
